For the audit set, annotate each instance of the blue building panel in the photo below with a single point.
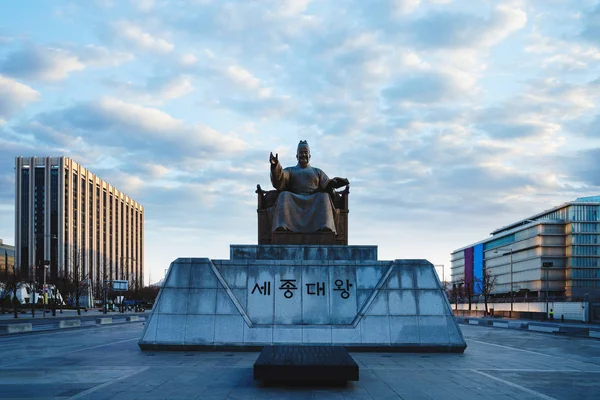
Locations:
(477, 268)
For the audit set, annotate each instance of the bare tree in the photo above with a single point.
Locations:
(31, 286)
(9, 282)
(75, 282)
(12, 282)
(486, 285)
(79, 279)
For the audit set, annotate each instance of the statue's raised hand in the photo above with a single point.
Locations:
(274, 160)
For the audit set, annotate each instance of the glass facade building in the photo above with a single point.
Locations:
(557, 250)
(71, 220)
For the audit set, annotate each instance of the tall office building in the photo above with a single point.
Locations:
(71, 220)
(556, 251)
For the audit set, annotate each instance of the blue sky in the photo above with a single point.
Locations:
(449, 118)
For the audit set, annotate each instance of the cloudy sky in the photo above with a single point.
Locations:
(449, 118)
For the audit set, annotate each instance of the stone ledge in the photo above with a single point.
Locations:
(15, 328)
(411, 348)
(103, 321)
(302, 252)
(69, 323)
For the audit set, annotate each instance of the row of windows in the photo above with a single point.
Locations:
(584, 250)
(584, 283)
(560, 215)
(583, 227)
(585, 273)
(585, 262)
(584, 213)
(585, 239)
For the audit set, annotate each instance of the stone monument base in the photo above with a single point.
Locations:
(305, 364)
(302, 295)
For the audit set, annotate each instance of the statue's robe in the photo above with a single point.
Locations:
(302, 206)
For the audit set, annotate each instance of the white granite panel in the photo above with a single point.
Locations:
(258, 335)
(375, 329)
(315, 295)
(402, 302)
(393, 281)
(260, 294)
(407, 277)
(202, 301)
(339, 253)
(426, 277)
(229, 329)
(292, 253)
(431, 302)
(343, 296)
(316, 335)
(315, 253)
(266, 252)
(433, 330)
(178, 275)
(224, 304)
(404, 329)
(200, 329)
(241, 296)
(287, 335)
(173, 301)
(149, 334)
(170, 329)
(234, 275)
(363, 295)
(346, 335)
(454, 334)
(202, 276)
(379, 306)
(288, 310)
(368, 276)
(242, 252)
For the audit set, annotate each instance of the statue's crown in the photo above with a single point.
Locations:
(303, 143)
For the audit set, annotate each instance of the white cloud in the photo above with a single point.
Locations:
(98, 56)
(504, 21)
(135, 36)
(14, 97)
(454, 31)
(144, 5)
(133, 115)
(53, 64)
(406, 6)
(293, 7)
(188, 59)
(242, 77)
(157, 90)
(41, 63)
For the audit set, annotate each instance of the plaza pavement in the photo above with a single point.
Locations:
(106, 363)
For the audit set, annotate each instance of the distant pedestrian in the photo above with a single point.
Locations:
(551, 314)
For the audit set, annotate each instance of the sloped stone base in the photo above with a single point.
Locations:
(244, 304)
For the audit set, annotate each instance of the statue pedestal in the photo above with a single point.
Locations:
(302, 295)
(292, 238)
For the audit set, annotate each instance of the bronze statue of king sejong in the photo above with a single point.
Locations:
(304, 204)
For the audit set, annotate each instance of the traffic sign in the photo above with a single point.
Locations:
(120, 285)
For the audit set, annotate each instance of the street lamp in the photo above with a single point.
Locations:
(45, 264)
(45, 296)
(511, 274)
(547, 266)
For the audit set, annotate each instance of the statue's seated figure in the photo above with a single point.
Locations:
(303, 203)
